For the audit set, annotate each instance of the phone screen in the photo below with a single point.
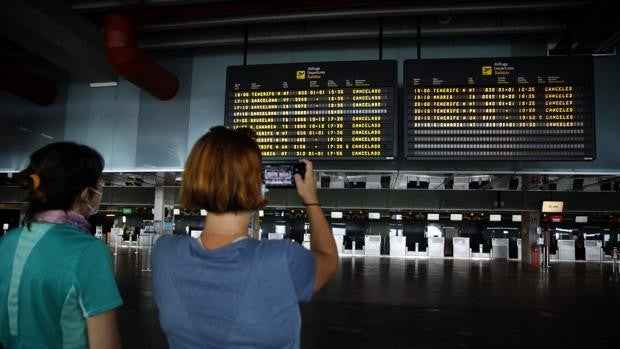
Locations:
(278, 176)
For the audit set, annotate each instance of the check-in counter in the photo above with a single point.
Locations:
(460, 248)
(146, 238)
(398, 246)
(500, 248)
(116, 236)
(566, 250)
(339, 243)
(306, 242)
(275, 236)
(594, 250)
(372, 245)
(436, 246)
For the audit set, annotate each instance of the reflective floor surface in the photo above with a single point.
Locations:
(377, 302)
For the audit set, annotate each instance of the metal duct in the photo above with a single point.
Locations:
(132, 64)
(25, 84)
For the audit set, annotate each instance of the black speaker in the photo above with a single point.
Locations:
(513, 184)
(325, 182)
(478, 185)
(355, 185)
(417, 185)
(385, 182)
(449, 183)
(606, 186)
(578, 184)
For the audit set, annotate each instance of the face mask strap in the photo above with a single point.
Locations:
(96, 191)
(94, 210)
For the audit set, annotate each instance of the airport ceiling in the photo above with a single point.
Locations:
(68, 34)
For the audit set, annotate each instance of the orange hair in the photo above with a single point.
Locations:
(223, 173)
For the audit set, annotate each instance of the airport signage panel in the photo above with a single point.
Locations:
(321, 110)
(536, 108)
(553, 206)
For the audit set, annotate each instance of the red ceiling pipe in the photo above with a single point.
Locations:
(132, 64)
(25, 84)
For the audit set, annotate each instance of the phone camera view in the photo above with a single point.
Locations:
(281, 176)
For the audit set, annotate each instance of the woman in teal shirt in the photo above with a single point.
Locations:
(57, 286)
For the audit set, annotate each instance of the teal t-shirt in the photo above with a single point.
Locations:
(53, 277)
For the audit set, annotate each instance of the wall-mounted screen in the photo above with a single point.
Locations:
(336, 215)
(327, 110)
(374, 215)
(432, 217)
(456, 216)
(495, 218)
(581, 219)
(538, 108)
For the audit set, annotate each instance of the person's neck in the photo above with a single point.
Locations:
(223, 228)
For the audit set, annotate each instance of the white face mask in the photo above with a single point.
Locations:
(94, 209)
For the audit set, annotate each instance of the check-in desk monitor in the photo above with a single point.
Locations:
(323, 110)
(538, 108)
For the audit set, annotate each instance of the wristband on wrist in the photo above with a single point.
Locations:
(312, 204)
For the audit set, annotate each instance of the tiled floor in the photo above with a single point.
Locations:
(421, 303)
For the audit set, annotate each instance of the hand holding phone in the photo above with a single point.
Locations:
(306, 184)
(282, 175)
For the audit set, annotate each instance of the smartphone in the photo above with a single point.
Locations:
(282, 175)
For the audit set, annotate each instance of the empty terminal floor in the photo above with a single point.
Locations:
(377, 302)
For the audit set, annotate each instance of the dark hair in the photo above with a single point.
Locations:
(223, 172)
(64, 169)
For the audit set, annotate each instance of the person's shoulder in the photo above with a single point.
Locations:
(272, 244)
(14, 232)
(278, 247)
(66, 230)
(11, 235)
(166, 242)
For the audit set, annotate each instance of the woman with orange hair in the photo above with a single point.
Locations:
(225, 290)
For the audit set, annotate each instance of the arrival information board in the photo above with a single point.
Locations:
(329, 110)
(500, 108)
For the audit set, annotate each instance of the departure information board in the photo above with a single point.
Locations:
(538, 108)
(328, 110)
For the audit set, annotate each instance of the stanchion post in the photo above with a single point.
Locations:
(115, 244)
(147, 267)
(614, 261)
(137, 243)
